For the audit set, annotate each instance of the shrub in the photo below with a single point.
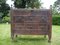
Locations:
(6, 19)
(56, 20)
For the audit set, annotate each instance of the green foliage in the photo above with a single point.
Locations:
(55, 14)
(20, 3)
(57, 5)
(4, 8)
(6, 19)
(33, 3)
(2, 1)
(27, 3)
(56, 20)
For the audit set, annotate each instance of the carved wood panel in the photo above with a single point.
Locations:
(31, 21)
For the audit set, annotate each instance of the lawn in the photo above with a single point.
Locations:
(5, 38)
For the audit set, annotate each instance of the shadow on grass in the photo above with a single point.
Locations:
(30, 39)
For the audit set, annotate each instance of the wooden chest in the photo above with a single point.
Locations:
(31, 22)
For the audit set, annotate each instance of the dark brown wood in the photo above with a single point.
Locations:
(31, 22)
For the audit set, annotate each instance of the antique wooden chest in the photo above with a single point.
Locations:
(31, 22)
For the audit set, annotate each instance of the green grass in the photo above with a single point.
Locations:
(5, 38)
